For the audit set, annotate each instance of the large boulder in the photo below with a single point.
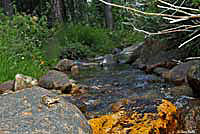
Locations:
(55, 80)
(193, 77)
(37, 110)
(178, 74)
(153, 52)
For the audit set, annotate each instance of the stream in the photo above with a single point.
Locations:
(118, 86)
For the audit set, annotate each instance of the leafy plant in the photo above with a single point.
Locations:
(21, 40)
(84, 40)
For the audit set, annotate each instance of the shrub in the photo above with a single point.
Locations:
(21, 40)
(84, 40)
(22, 34)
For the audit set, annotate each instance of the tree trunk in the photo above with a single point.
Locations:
(108, 16)
(57, 11)
(7, 7)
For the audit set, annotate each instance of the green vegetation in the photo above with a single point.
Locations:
(10, 67)
(28, 46)
(31, 40)
(21, 38)
(79, 41)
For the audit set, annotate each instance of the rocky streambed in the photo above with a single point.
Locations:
(117, 87)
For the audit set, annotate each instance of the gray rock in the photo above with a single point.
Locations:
(178, 74)
(153, 52)
(193, 78)
(183, 90)
(108, 60)
(7, 86)
(25, 112)
(130, 54)
(189, 119)
(64, 65)
(22, 81)
(55, 80)
(160, 70)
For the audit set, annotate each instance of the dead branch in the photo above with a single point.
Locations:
(178, 7)
(145, 13)
(171, 17)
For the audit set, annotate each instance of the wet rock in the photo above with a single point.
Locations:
(7, 86)
(69, 98)
(56, 80)
(193, 77)
(139, 66)
(160, 65)
(130, 54)
(108, 60)
(178, 73)
(160, 70)
(76, 89)
(37, 110)
(75, 70)
(189, 121)
(22, 81)
(120, 105)
(116, 51)
(182, 90)
(64, 65)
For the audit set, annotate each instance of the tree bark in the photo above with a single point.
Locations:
(7, 7)
(108, 16)
(57, 10)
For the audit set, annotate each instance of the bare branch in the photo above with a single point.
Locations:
(179, 7)
(192, 58)
(171, 17)
(145, 13)
(189, 40)
(178, 10)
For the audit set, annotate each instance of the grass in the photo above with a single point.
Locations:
(9, 67)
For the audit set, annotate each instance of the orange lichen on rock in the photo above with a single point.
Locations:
(147, 123)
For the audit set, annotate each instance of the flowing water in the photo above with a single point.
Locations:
(107, 85)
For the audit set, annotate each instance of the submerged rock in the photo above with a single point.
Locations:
(55, 80)
(193, 77)
(38, 111)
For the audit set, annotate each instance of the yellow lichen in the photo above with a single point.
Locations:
(148, 123)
